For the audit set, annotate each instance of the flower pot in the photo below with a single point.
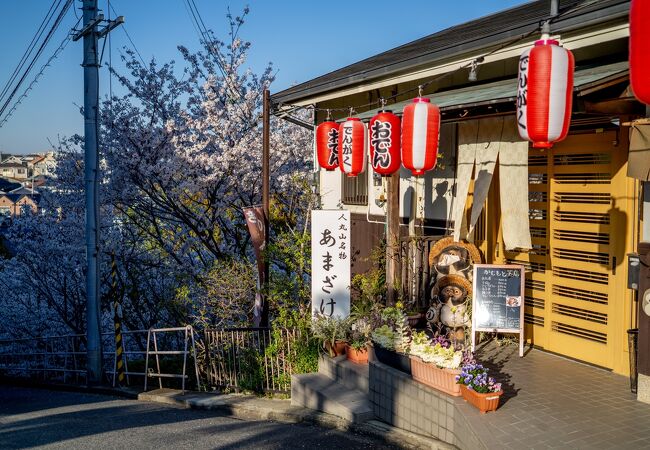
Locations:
(393, 359)
(443, 380)
(414, 319)
(484, 402)
(337, 349)
(357, 356)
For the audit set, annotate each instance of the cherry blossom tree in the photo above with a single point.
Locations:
(181, 155)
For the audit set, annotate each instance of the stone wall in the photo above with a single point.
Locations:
(402, 402)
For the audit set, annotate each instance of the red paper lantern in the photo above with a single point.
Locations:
(420, 135)
(545, 93)
(353, 142)
(327, 141)
(640, 49)
(385, 134)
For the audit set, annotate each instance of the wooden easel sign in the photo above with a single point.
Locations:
(498, 301)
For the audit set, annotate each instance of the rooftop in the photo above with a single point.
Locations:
(464, 39)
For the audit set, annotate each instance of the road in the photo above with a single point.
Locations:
(37, 418)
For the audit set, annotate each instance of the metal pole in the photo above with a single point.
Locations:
(91, 100)
(266, 189)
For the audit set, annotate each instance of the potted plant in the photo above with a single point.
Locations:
(435, 363)
(358, 339)
(331, 331)
(357, 351)
(391, 339)
(478, 388)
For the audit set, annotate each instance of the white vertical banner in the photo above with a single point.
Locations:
(330, 262)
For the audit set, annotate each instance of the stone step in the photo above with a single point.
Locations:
(322, 393)
(341, 370)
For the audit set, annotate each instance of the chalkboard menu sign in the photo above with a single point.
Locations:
(498, 300)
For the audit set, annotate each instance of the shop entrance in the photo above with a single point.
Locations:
(581, 202)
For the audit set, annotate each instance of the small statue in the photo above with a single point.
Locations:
(451, 312)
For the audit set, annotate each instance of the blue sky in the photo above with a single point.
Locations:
(303, 39)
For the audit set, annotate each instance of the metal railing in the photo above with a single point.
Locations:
(238, 359)
(250, 359)
(63, 358)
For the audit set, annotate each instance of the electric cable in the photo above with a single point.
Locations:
(31, 46)
(26, 72)
(20, 99)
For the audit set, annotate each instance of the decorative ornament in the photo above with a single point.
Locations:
(545, 93)
(353, 144)
(640, 49)
(327, 141)
(420, 135)
(385, 136)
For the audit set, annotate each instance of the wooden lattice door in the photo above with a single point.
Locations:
(576, 296)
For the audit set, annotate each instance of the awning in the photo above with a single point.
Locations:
(506, 90)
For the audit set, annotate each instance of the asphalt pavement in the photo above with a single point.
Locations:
(39, 418)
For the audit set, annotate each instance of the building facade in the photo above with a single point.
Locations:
(569, 215)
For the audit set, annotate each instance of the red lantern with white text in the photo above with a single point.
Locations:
(420, 135)
(545, 93)
(353, 143)
(327, 141)
(640, 49)
(385, 135)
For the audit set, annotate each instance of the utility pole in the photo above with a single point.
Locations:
(266, 197)
(91, 35)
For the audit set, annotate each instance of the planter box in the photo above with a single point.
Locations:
(393, 359)
(443, 380)
(357, 356)
(484, 402)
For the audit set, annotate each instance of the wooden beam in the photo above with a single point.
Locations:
(393, 262)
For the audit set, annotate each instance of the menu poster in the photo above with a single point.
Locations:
(498, 302)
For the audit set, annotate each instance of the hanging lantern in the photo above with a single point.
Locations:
(420, 135)
(353, 142)
(640, 49)
(545, 93)
(327, 141)
(385, 131)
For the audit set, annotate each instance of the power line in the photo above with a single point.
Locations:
(26, 72)
(31, 46)
(128, 36)
(56, 53)
(211, 44)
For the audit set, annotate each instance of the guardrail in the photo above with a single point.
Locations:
(237, 359)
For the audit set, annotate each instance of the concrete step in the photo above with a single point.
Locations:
(322, 393)
(341, 370)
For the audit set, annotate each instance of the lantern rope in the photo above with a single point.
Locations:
(381, 102)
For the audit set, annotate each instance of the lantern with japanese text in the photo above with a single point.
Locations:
(545, 93)
(327, 141)
(385, 135)
(353, 143)
(420, 135)
(640, 49)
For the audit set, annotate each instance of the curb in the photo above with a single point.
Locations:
(100, 390)
(234, 405)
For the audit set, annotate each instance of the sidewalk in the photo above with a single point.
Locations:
(255, 408)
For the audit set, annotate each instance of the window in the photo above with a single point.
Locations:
(355, 189)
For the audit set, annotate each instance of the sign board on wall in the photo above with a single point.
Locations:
(498, 302)
(330, 262)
